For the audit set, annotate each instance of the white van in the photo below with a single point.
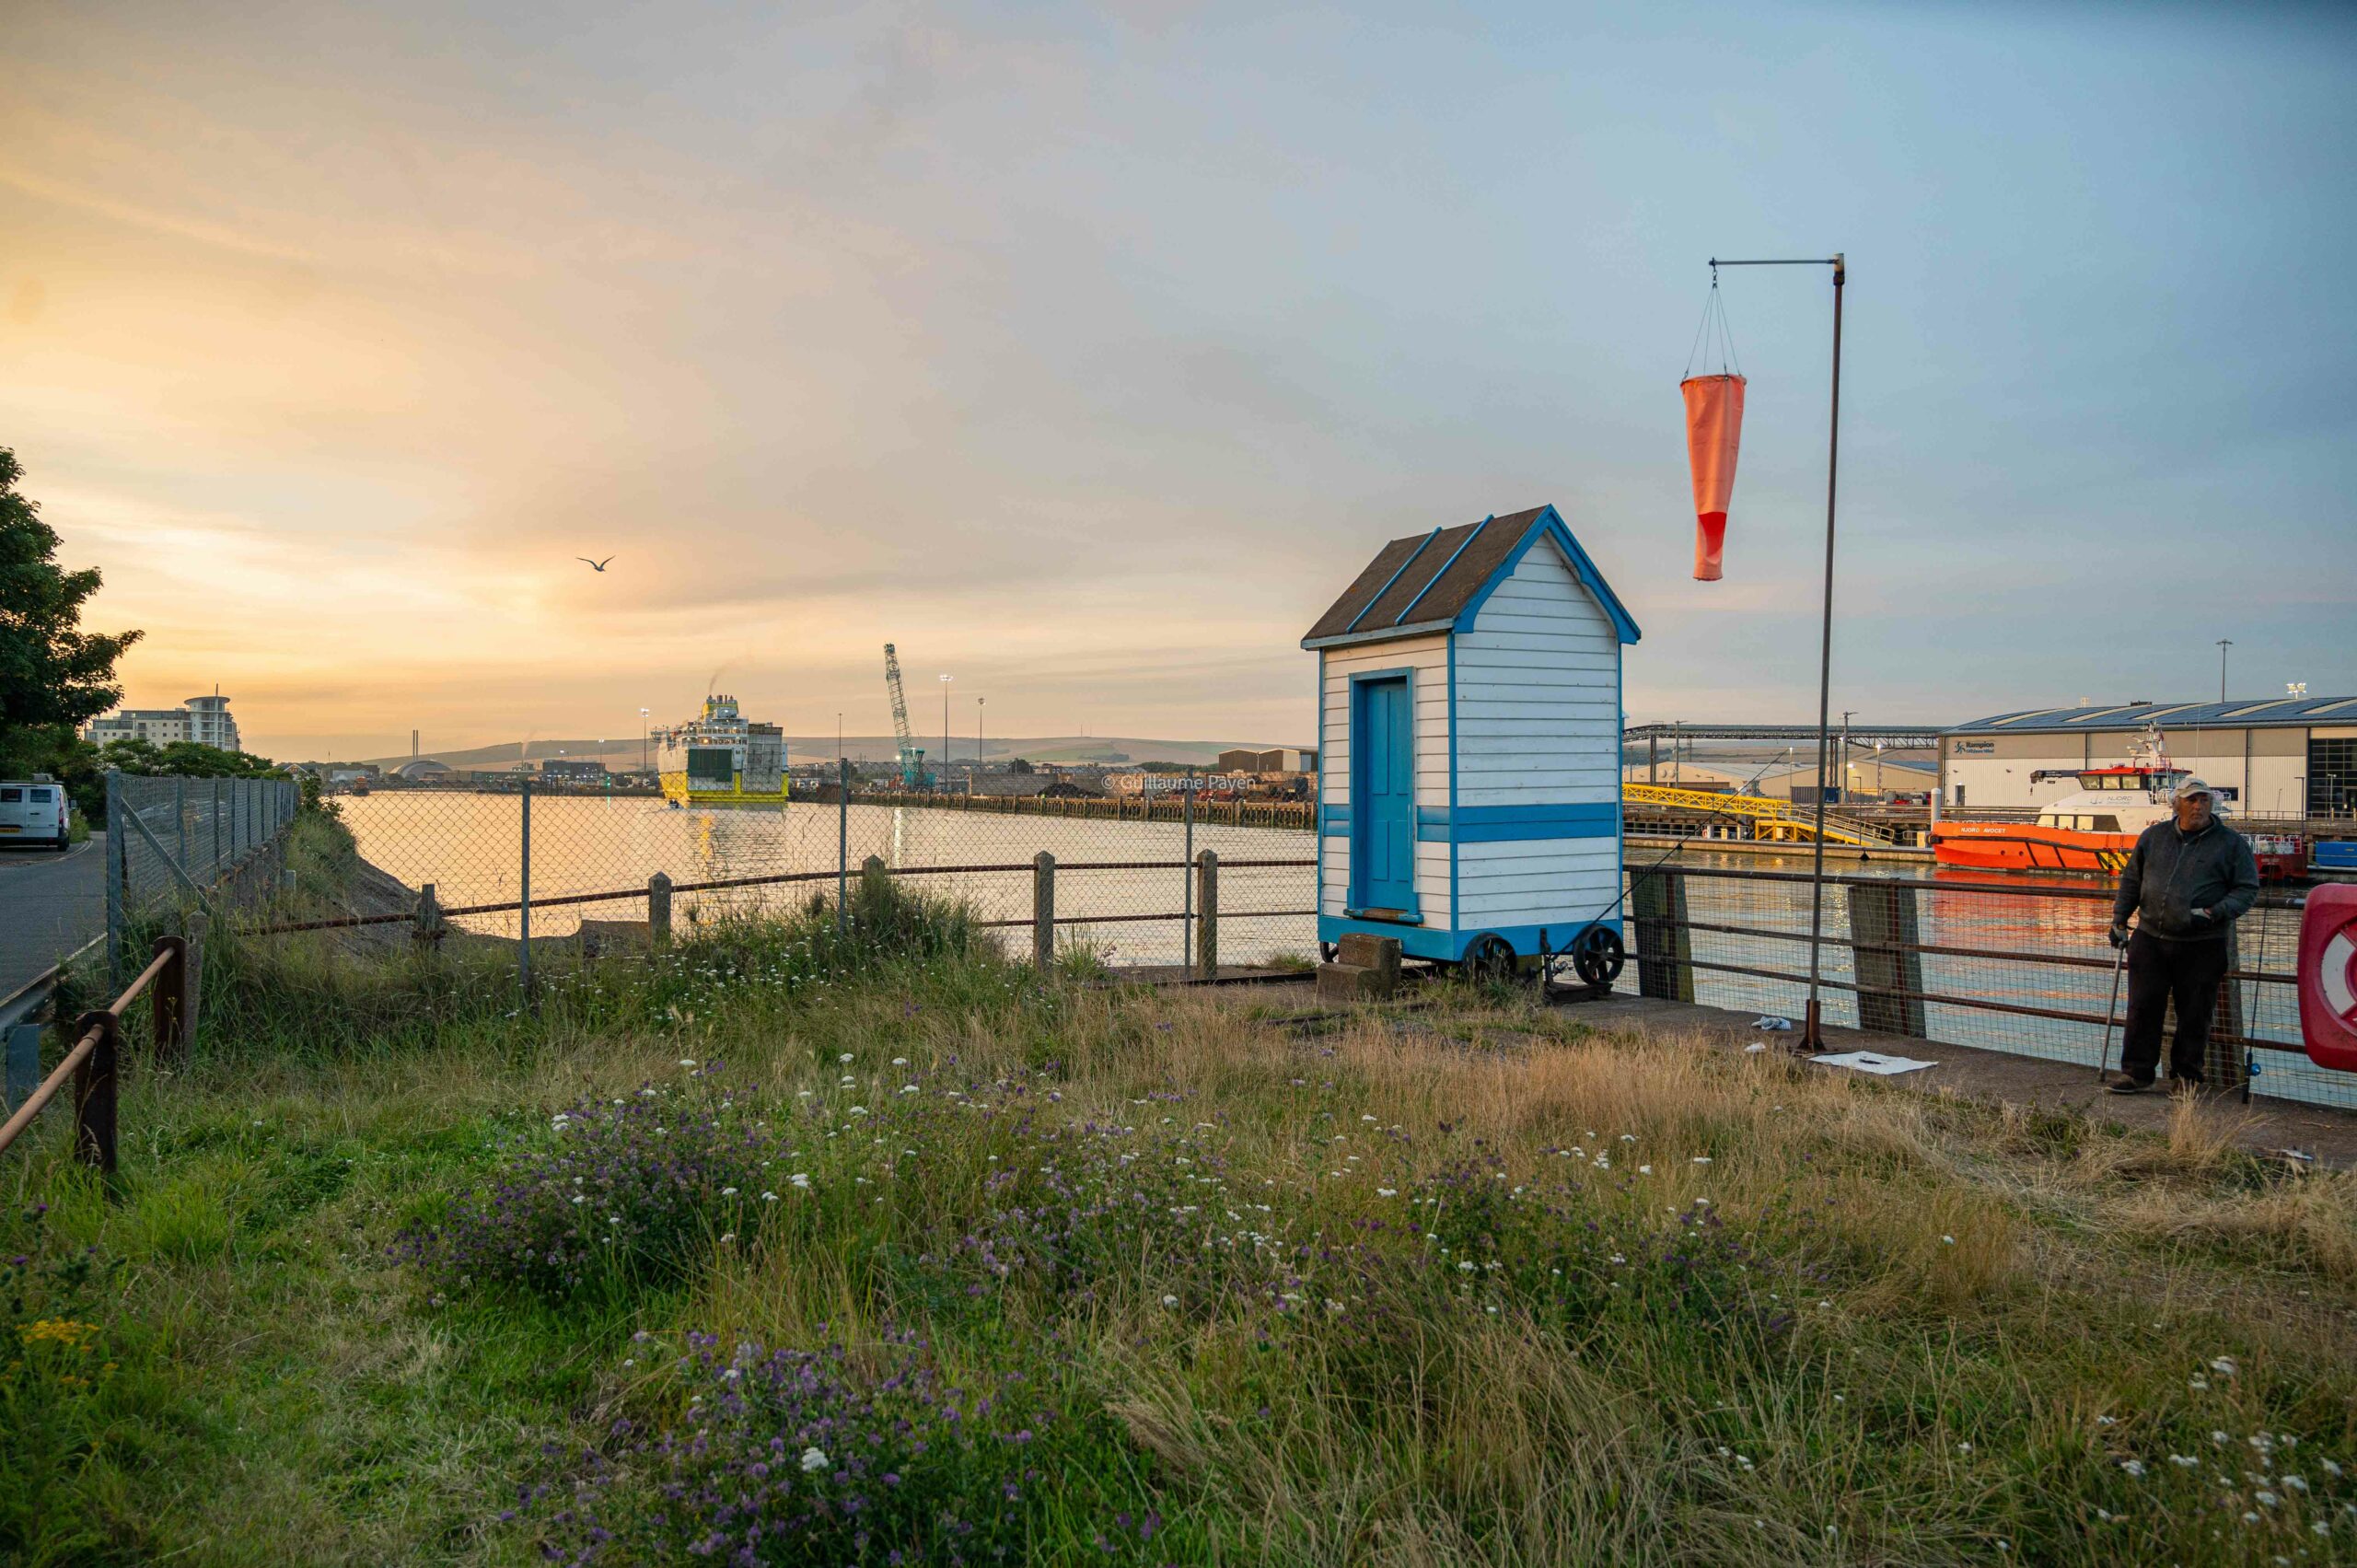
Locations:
(34, 811)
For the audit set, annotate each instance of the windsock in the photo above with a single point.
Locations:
(1714, 431)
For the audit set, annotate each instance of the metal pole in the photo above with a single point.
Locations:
(2224, 643)
(843, 842)
(524, 896)
(118, 876)
(1187, 880)
(1812, 1032)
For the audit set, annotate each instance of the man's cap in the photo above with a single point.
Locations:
(2190, 788)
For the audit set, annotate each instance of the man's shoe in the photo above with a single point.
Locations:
(2130, 1085)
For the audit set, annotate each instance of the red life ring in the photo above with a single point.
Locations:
(2328, 977)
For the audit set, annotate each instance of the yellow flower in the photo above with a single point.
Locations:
(67, 1331)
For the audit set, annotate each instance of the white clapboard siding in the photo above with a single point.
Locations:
(1536, 881)
(1538, 708)
(1428, 657)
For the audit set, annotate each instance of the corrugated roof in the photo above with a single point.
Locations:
(2291, 713)
(1435, 574)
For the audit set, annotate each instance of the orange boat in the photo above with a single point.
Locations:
(2095, 828)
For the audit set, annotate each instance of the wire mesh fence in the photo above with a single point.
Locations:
(171, 840)
(1124, 888)
(2019, 966)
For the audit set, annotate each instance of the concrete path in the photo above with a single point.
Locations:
(2265, 1126)
(50, 904)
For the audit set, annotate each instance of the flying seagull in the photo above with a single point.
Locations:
(592, 565)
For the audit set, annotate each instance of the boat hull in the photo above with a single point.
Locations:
(679, 792)
(2013, 846)
(2017, 846)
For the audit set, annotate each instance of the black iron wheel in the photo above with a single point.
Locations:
(1597, 954)
(1490, 957)
(1326, 951)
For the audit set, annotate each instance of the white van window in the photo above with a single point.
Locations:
(40, 797)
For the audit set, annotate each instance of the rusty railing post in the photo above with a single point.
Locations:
(1665, 942)
(429, 916)
(1207, 914)
(1043, 911)
(94, 1098)
(168, 1002)
(1890, 971)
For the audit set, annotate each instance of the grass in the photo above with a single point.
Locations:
(1152, 1276)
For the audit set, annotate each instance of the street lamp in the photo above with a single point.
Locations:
(944, 732)
(976, 787)
(2224, 643)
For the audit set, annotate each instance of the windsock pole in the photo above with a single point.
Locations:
(1812, 1029)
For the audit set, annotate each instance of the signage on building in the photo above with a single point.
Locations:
(1976, 748)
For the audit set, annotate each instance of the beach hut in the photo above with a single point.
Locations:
(1469, 744)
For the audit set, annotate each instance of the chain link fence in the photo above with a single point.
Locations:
(2017, 965)
(563, 863)
(174, 841)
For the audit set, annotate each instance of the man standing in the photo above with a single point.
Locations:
(2186, 880)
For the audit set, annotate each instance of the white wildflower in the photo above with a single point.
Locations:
(844, 1058)
(2133, 1467)
(1387, 1191)
(2223, 1364)
(728, 1191)
(1170, 1301)
(814, 1459)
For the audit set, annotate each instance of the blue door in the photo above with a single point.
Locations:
(1383, 797)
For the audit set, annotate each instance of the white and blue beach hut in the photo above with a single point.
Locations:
(1470, 746)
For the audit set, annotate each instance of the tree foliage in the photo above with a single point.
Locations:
(52, 674)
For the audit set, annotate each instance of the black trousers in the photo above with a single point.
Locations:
(2158, 971)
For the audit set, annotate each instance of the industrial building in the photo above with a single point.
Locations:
(1276, 759)
(2279, 757)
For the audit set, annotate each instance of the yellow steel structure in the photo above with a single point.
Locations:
(1775, 820)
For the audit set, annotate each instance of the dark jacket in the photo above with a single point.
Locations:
(2169, 874)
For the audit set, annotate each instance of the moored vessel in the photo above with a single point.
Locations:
(2096, 828)
(721, 759)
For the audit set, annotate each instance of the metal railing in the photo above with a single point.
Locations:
(91, 1063)
(1954, 960)
(1204, 913)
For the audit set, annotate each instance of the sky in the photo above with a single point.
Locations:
(1087, 357)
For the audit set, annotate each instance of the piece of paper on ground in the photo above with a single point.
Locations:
(1873, 1062)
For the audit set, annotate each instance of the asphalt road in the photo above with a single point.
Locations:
(50, 904)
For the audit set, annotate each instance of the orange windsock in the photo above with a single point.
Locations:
(1714, 431)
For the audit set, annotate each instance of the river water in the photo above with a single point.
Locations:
(470, 845)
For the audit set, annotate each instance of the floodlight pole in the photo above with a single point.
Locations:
(1812, 1029)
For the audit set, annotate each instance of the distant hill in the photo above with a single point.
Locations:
(622, 752)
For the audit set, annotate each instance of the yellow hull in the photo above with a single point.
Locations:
(677, 791)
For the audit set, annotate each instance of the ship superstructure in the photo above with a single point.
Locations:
(721, 759)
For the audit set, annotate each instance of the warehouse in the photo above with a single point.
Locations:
(2281, 757)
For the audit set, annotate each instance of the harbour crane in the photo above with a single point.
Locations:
(913, 775)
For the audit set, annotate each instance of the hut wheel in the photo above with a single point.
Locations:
(1490, 957)
(1597, 954)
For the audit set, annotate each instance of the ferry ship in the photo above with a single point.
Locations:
(2095, 828)
(720, 759)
